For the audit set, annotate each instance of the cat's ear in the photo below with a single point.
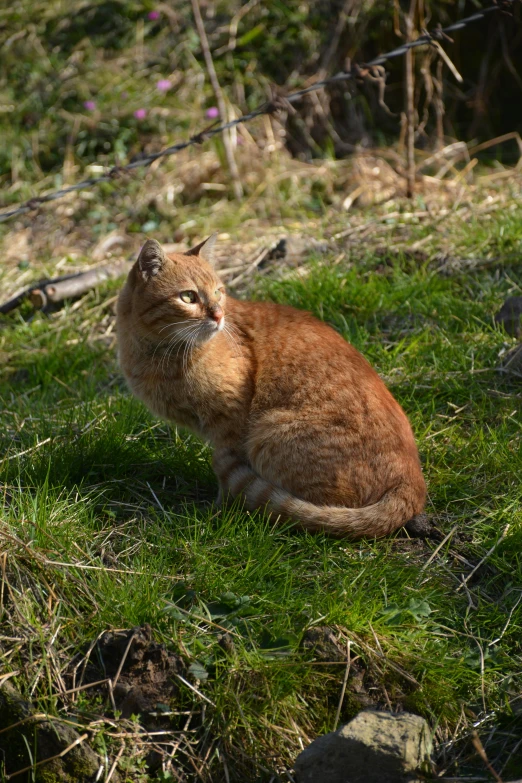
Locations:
(205, 249)
(151, 259)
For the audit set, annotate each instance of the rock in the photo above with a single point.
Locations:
(510, 316)
(45, 739)
(375, 747)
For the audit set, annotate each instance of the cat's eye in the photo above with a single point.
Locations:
(218, 294)
(189, 297)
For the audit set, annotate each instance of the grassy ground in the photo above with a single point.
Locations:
(107, 518)
(108, 523)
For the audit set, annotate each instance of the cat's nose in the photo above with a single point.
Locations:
(216, 313)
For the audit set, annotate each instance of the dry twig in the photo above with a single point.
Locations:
(477, 744)
(410, 108)
(218, 92)
(488, 554)
(345, 683)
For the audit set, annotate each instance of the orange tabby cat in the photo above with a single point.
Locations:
(300, 422)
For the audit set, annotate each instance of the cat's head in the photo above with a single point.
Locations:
(175, 296)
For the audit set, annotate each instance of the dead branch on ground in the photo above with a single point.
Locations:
(56, 289)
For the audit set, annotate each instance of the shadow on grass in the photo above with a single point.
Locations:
(70, 423)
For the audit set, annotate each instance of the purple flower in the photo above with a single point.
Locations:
(140, 114)
(163, 85)
(212, 113)
(153, 15)
(89, 105)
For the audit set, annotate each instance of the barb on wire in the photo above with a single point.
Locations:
(276, 103)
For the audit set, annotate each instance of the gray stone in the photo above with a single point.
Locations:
(375, 747)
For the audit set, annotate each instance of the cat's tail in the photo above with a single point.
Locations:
(395, 508)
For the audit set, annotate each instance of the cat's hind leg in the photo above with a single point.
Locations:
(233, 474)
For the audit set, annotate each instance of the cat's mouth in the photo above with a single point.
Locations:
(212, 327)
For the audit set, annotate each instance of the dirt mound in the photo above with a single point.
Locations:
(325, 646)
(140, 672)
(373, 682)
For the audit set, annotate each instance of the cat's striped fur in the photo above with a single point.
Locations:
(300, 422)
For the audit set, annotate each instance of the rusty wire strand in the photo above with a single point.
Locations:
(269, 107)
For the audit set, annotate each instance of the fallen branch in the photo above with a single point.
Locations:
(57, 289)
(19, 297)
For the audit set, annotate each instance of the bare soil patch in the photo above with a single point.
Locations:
(139, 672)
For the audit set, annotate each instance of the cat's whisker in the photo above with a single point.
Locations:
(168, 337)
(175, 323)
(181, 336)
(184, 359)
(232, 329)
(186, 344)
(159, 344)
(232, 339)
(186, 356)
(230, 325)
(180, 339)
(190, 347)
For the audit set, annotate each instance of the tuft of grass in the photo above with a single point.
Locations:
(108, 523)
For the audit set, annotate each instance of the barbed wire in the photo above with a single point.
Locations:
(278, 102)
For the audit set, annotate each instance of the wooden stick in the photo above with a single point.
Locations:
(482, 753)
(5, 677)
(56, 289)
(19, 297)
(513, 135)
(193, 688)
(75, 286)
(124, 658)
(218, 92)
(448, 62)
(437, 550)
(115, 762)
(345, 683)
(439, 103)
(410, 108)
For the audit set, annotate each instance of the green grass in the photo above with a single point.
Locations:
(107, 518)
(113, 489)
